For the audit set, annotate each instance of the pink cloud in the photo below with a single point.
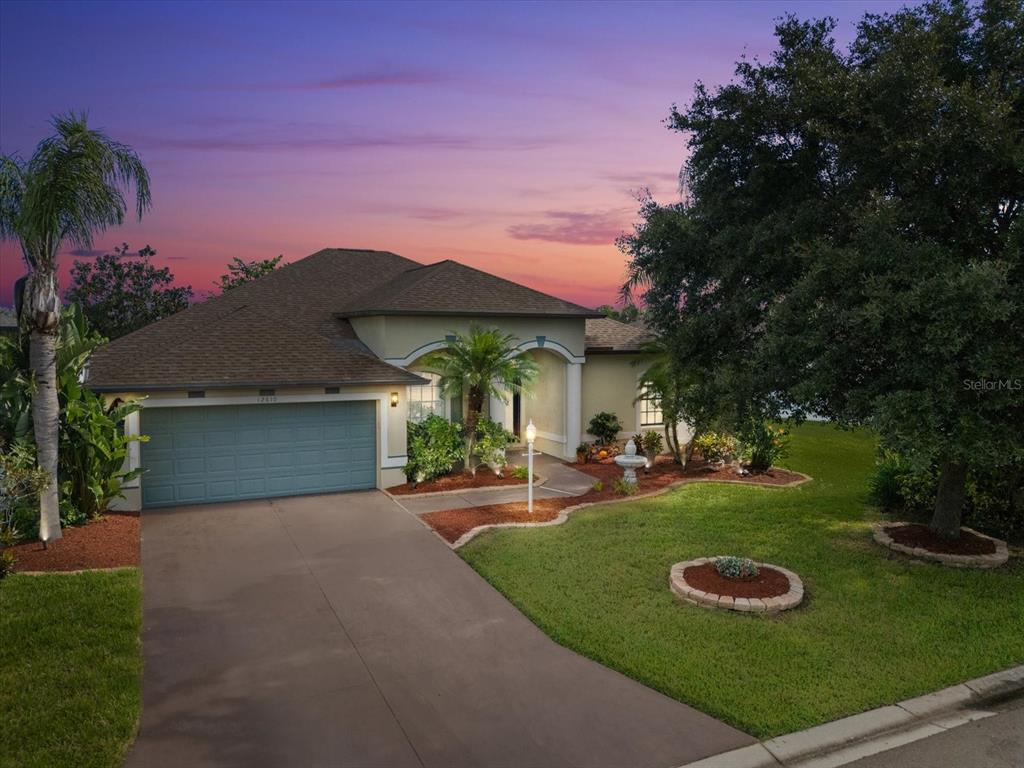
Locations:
(574, 228)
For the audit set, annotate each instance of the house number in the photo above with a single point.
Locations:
(266, 399)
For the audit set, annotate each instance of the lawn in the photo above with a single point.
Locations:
(70, 667)
(871, 631)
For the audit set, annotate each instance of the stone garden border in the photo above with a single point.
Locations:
(743, 604)
(992, 560)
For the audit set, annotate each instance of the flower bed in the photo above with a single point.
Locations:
(454, 524)
(110, 541)
(460, 481)
(970, 550)
(773, 589)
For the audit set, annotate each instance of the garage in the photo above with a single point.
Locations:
(204, 454)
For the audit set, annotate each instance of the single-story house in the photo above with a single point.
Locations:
(303, 381)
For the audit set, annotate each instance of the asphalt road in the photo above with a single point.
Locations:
(993, 742)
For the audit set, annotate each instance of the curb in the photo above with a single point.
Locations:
(852, 738)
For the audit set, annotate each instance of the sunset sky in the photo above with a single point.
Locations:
(512, 137)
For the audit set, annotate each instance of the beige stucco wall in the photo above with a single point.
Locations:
(610, 384)
(545, 403)
(395, 417)
(399, 337)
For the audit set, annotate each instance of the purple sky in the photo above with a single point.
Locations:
(510, 137)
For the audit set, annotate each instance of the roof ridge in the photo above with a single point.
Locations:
(520, 285)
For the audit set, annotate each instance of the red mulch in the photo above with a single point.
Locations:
(111, 541)
(459, 481)
(451, 524)
(918, 535)
(767, 583)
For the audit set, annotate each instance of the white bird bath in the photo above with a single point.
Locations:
(630, 462)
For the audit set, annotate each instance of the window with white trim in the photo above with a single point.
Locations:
(650, 410)
(426, 399)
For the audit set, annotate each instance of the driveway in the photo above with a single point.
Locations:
(339, 631)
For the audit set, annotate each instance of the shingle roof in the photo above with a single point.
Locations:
(450, 288)
(606, 335)
(280, 330)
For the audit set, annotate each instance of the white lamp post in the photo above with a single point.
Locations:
(531, 435)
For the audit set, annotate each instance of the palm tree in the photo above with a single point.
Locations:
(73, 186)
(483, 363)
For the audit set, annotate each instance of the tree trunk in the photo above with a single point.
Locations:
(475, 407)
(949, 502)
(46, 425)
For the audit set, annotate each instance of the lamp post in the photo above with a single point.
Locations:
(531, 435)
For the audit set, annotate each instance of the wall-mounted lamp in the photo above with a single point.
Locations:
(394, 399)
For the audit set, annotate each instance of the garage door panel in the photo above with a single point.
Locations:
(218, 453)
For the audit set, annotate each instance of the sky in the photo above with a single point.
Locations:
(511, 137)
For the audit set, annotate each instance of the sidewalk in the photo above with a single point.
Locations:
(560, 480)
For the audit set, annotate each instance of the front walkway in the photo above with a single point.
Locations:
(339, 631)
(560, 480)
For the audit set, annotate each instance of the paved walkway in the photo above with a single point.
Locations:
(339, 631)
(560, 480)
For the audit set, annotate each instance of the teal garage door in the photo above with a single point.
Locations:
(203, 454)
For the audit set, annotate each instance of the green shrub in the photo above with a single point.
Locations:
(652, 443)
(597, 487)
(491, 441)
(734, 567)
(885, 484)
(624, 487)
(605, 427)
(434, 446)
(715, 446)
(520, 473)
(763, 444)
(21, 482)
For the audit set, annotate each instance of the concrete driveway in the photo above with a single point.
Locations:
(339, 631)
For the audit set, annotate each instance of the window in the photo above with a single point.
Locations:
(426, 399)
(650, 410)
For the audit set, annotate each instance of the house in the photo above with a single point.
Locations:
(303, 381)
(8, 321)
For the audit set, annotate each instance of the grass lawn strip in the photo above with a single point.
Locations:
(70, 668)
(872, 630)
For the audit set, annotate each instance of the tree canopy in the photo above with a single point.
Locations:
(241, 272)
(121, 292)
(852, 246)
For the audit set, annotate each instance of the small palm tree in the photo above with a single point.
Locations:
(483, 363)
(73, 186)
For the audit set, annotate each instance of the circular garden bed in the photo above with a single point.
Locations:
(771, 590)
(970, 550)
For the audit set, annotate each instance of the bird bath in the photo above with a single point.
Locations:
(630, 462)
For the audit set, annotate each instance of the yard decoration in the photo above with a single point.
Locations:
(736, 584)
(630, 463)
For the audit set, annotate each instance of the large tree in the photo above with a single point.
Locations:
(121, 292)
(854, 235)
(482, 363)
(73, 186)
(241, 272)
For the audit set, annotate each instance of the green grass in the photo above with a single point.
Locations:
(70, 667)
(871, 630)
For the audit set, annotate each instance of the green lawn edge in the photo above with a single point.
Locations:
(873, 629)
(70, 668)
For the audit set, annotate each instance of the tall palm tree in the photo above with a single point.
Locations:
(483, 363)
(73, 186)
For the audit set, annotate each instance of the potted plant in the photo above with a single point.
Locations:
(582, 453)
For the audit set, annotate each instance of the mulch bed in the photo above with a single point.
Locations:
(111, 541)
(767, 583)
(459, 481)
(918, 535)
(451, 524)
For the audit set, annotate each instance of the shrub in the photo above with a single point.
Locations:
(715, 446)
(583, 451)
(21, 481)
(491, 441)
(624, 487)
(652, 443)
(733, 567)
(763, 444)
(434, 445)
(605, 427)
(885, 485)
(520, 473)
(598, 486)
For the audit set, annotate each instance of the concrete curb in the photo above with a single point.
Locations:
(460, 491)
(876, 730)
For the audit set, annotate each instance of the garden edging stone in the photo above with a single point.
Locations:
(690, 594)
(991, 560)
(876, 730)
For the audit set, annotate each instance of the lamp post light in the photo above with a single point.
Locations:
(531, 435)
